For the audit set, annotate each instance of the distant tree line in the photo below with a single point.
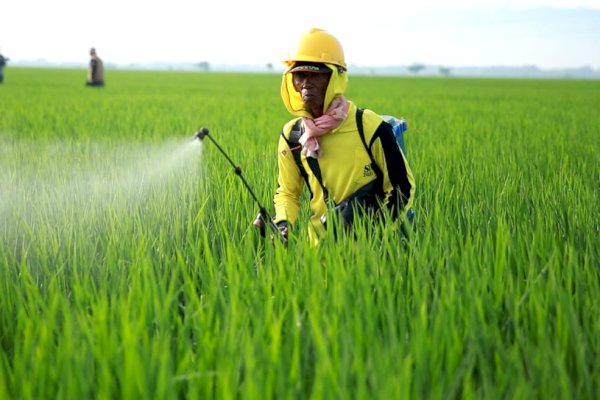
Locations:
(418, 67)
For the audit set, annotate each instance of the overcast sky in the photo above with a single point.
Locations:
(546, 33)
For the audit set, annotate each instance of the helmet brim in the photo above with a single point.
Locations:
(317, 68)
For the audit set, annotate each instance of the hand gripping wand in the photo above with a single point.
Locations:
(264, 215)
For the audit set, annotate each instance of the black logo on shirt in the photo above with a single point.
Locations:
(368, 170)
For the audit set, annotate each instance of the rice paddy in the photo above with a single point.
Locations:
(129, 266)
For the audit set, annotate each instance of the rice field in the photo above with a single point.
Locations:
(129, 267)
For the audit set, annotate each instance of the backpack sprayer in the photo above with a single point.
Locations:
(263, 214)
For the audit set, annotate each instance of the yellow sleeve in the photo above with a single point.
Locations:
(289, 183)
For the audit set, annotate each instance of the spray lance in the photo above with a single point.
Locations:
(263, 214)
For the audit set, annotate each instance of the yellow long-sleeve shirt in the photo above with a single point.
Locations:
(345, 167)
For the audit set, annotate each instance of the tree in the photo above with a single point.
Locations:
(445, 71)
(416, 68)
(203, 66)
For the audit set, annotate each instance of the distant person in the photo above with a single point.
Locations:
(3, 61)
(95, 70)
(334, 163)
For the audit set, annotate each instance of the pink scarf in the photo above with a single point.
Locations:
(315, 128)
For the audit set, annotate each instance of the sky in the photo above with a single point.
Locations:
(550, 34)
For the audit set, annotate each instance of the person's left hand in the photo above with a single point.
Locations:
(283, 228)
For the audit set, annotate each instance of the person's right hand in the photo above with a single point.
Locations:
(258, 221)
(281, 225)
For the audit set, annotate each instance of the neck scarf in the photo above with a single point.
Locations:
(315, 128)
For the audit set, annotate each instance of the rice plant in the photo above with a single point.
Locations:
(129, 267)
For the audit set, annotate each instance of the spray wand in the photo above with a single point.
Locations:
(264, 215)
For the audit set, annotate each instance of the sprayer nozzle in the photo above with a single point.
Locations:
(201, 134)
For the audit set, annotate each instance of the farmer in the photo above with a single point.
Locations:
(3, 61)
(335, 164)
(95, 70)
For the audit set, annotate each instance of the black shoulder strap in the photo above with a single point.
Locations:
(361, 132)
(296, 148)
(295, 133)
(293, 143)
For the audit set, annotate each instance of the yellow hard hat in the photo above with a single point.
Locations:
(318, 46)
